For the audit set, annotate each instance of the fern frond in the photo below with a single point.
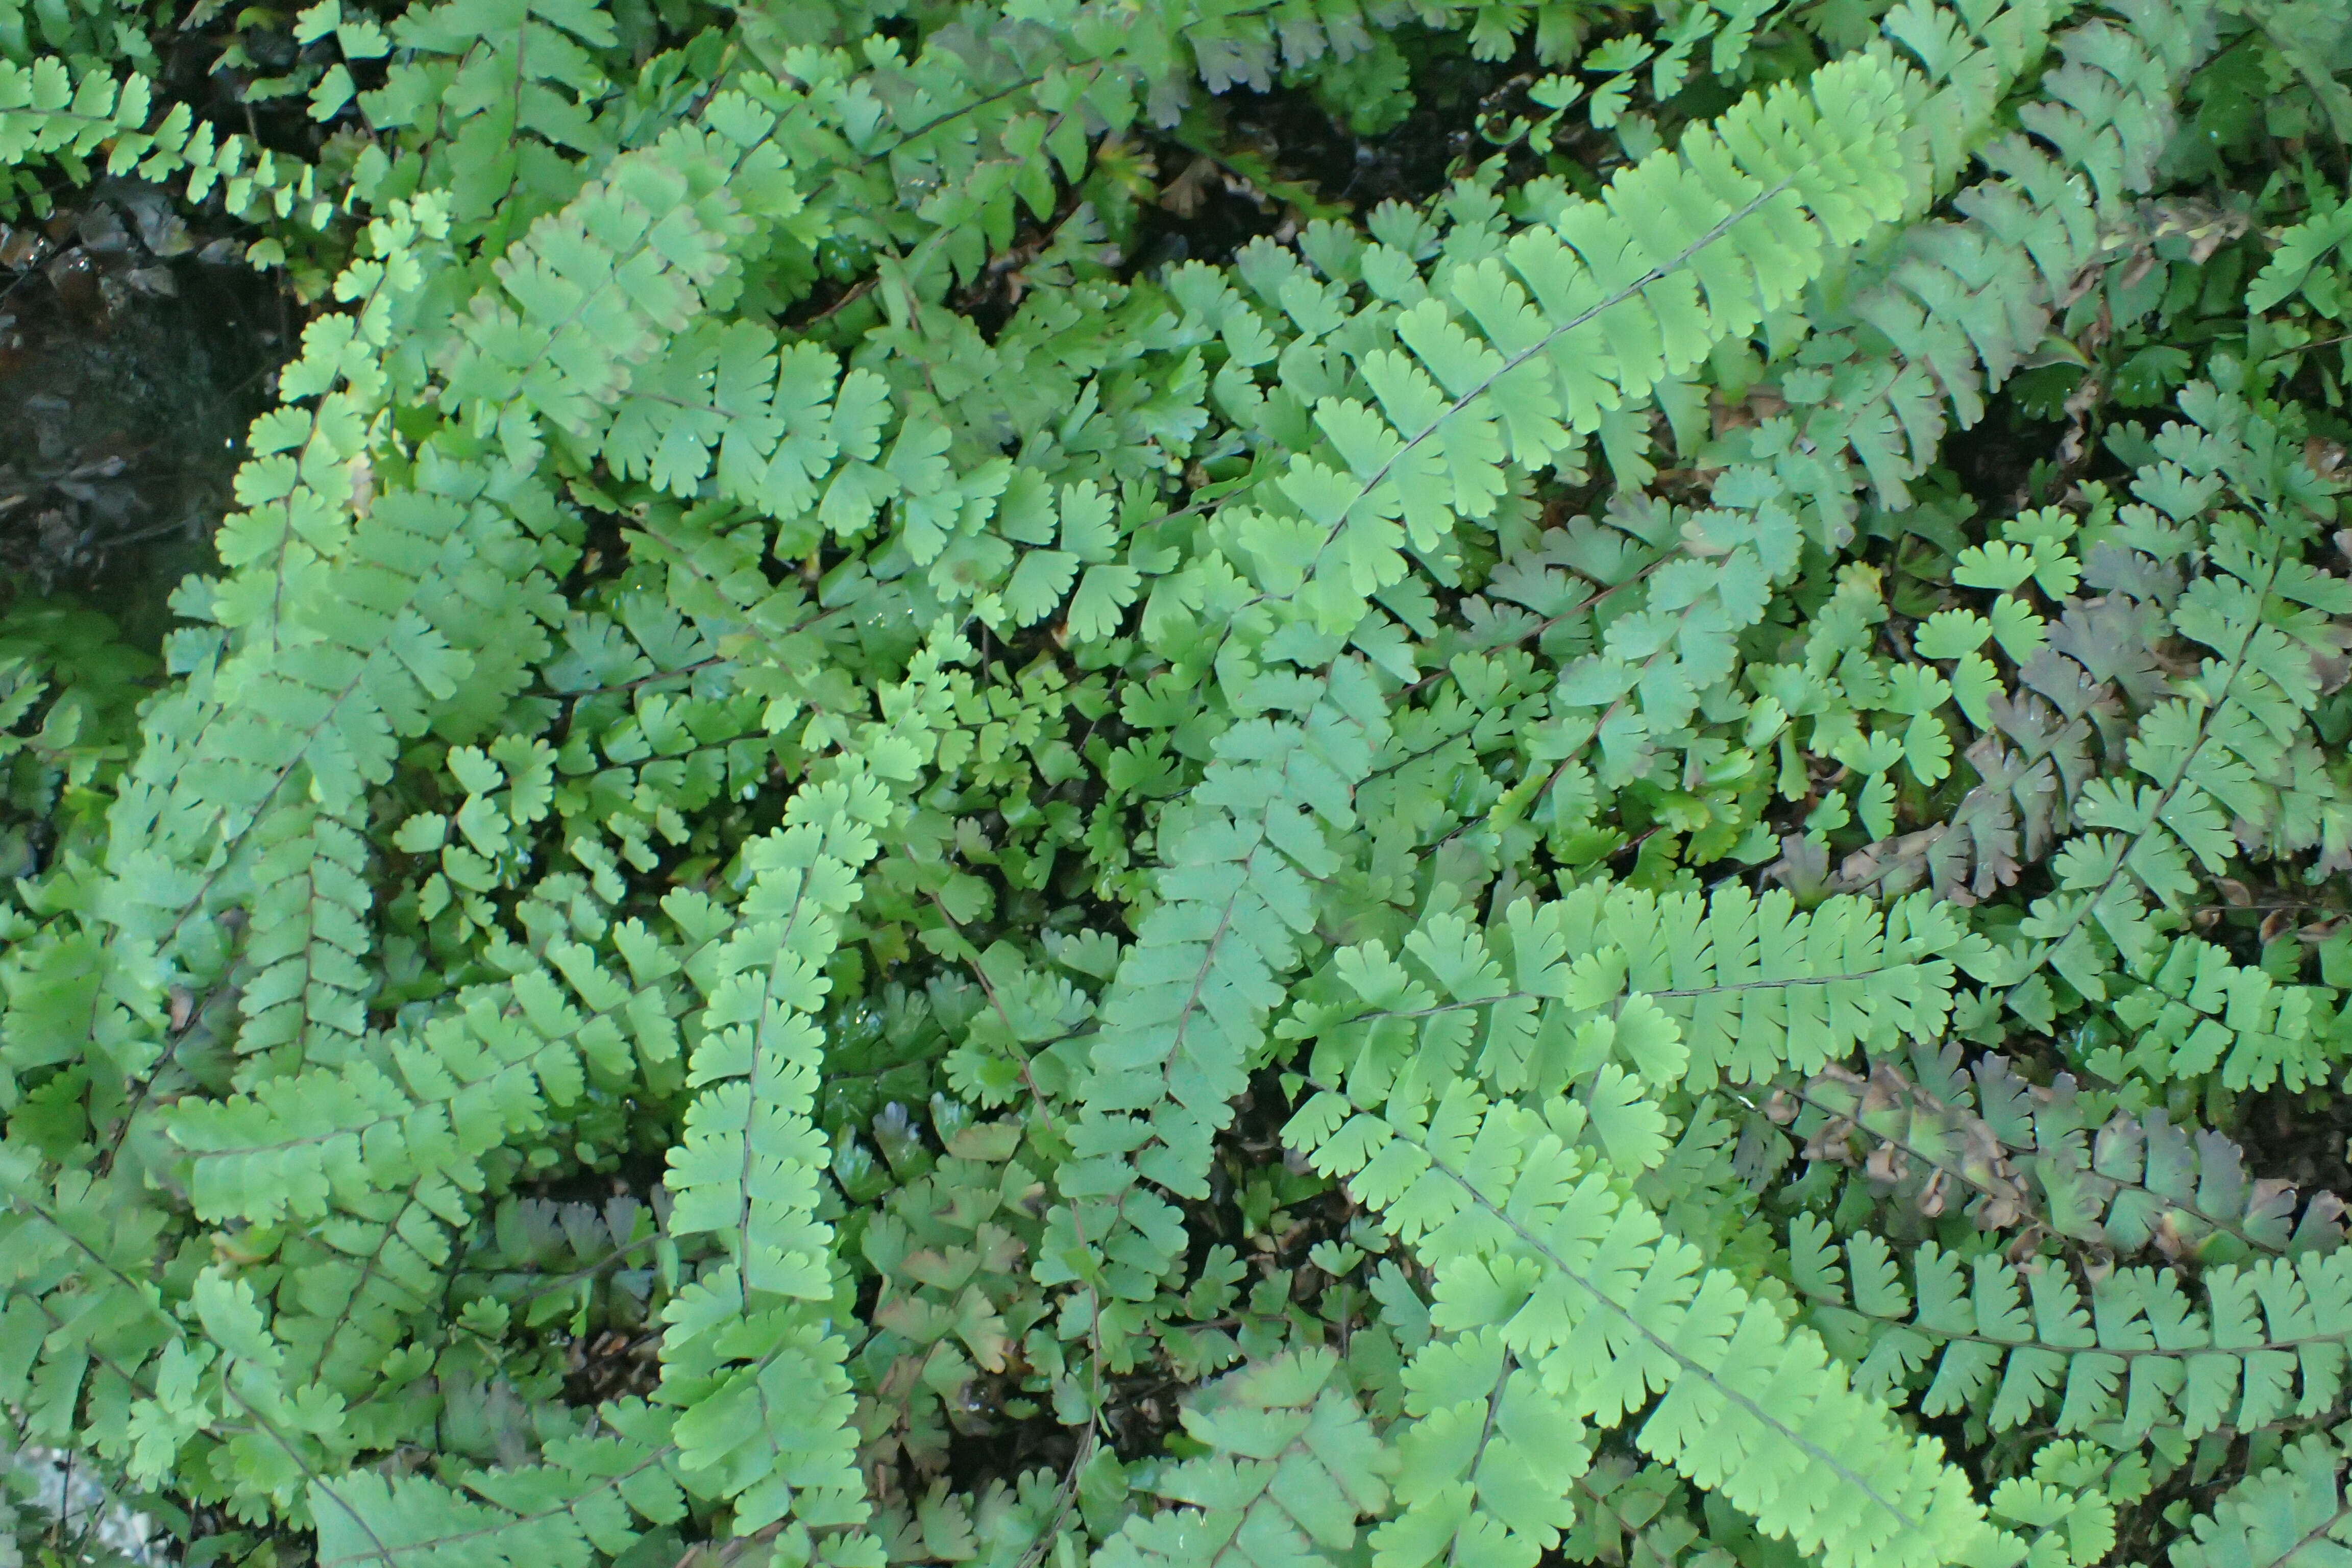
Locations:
(1489, 1462)
(51, 110)
(484, 95)
(771, 1437)
(2007, 1342)
(2206, 755)
(1527, 1238)
(1681, 990)
(1961, 302)
(596, 289)
(586, 1497)
(1289, 1465)
(2029, 1157)
(363, 1281)
(1183, 1020)
(744, 1167)
(310, 985)
(1572, 320)
(2293, 1515)
(674, 418)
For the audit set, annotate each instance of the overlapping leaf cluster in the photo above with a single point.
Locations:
(849, 865)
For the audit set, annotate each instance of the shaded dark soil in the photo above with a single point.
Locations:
(132, 355)
(1994, 459)
(1283, 157)
(2300, 1136)
(135, 350)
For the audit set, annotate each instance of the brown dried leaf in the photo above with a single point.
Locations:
(1886, 1164)
(2333, 670)
(1183, 195)
(1931, 1196)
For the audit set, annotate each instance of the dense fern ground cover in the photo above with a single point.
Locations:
(1349, 781)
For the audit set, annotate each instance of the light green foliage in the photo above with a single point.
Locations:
(1531, 1243)
(1571, 325)
(2135, 1350)
(2283, 1518)
(1680, 991)
(924, 813)
(1290, 1467)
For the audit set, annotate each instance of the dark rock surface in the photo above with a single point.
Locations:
(134, 353)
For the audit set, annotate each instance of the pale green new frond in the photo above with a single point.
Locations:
(1487, 1460)
(1573, 320)
(1676, 988)
(1527, 1236)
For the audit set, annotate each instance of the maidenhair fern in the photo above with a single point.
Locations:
(1528, 1242)
(923, 808)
